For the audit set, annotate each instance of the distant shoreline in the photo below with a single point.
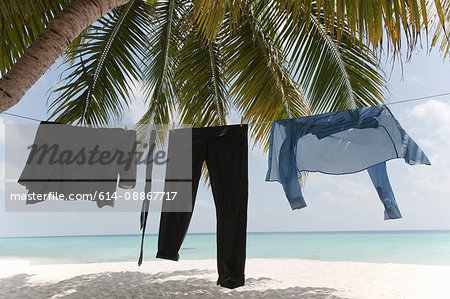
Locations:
(424, 247)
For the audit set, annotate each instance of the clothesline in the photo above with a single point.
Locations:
(265, 122)
(21, 116)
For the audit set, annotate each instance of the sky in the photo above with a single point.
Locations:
(335, 203)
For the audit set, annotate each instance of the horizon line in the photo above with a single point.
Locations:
(255, 232)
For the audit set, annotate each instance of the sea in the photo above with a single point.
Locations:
(405, 247)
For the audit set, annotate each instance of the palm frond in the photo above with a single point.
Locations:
(161, 60)
(376, 21)
(334, 73)
(201, 85)
(210, 16)
(262, 87)
(372, 21)
(441, 34)
(108, 59)
(21, 21)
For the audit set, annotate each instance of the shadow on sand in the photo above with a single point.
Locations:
(143, 285)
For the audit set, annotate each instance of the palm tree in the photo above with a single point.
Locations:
(268, 59)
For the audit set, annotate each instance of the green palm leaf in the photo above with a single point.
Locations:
(331, 69)
(201, 85)
(262, 87)
(374, 21)
(108, 61)
(161, 60)
(209, 16)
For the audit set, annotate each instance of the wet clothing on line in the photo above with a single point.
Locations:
(70, 160)
(340, 142)
(225, 151)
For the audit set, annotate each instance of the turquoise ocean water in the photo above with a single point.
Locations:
(411, 247)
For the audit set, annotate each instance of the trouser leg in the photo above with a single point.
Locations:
(227, 161)
(175, 216)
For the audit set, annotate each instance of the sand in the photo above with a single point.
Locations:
(265, 278)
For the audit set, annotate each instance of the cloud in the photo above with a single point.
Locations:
(430, 120)
(433, 115)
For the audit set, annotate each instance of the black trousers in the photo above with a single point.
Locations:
(225, 151)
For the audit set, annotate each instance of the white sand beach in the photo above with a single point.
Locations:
(265, 278)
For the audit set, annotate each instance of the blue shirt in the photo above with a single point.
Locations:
(340, 142)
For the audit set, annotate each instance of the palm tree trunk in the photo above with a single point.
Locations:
(49, 46)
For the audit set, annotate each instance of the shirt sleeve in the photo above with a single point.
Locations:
(380, 180)
(283, 166)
